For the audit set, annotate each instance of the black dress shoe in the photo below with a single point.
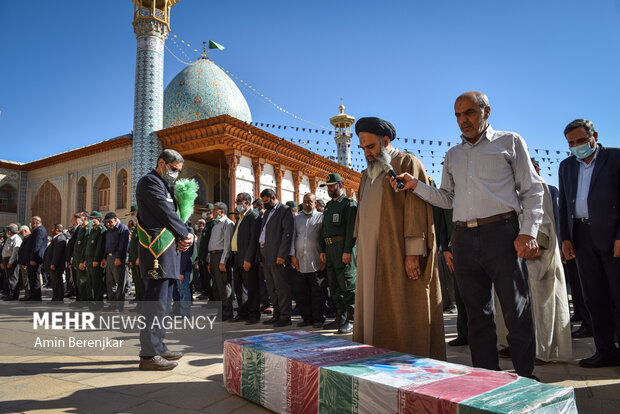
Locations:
(283, 322)
(303, 323)
(252, 321)
(599, 360)
(172, 355)
(24, 299)
(582, 332)
(318, 325)
(271, 321)
(504, 352)
(458, 342)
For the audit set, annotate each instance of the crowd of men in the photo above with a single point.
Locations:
(493, 241)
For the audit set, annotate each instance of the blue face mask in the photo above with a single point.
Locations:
(583, 151)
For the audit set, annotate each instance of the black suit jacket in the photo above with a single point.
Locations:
(603, 198)
(38, 246)
(157, 210)
(247, 238)
(55, 254)
(278, 234)
(71, 243)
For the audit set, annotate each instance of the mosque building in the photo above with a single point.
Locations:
(202, 114)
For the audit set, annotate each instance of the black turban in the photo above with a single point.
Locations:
(375, 126)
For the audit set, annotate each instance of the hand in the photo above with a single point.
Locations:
(526, 246)
(82, 266)
(33, 263)
(137, 262)
(246, 265)
(181, 277)
(102, 263)
(185, 243)
(295, 263)
(52, 267)
(117, 262)
(617, 248)
(129, 264)
(448, 256)
(410, 182)
(568, 250)
(222, 267)
(196, 266)
(1, 265)
(346, 258)
(95, 264)
(71, 261)
(280, 261)
(209, 267)
(412, 267)
(24, 267)
(9, 265)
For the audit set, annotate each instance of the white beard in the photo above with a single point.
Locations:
(377, 167)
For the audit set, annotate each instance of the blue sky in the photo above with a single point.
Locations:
(67, 73)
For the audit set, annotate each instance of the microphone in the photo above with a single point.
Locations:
(389, 171)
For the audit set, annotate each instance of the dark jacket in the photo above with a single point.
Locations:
(247, 238)
(55, 254)
(39, 244)
(24, 251)
(603, 198)
(157, 208)
(71, 243)
(278, 234)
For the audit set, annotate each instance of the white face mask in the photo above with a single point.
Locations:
(171, 176)
(205, 215)
(80, 222)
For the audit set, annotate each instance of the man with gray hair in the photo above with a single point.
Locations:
(489, 181)
(219, 255)
(9, 261)
(35, 256)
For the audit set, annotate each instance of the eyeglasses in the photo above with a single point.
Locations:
(174, 169)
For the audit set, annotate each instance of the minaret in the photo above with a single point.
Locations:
(151, 24)
(342, 122)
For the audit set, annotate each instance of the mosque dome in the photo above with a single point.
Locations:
(202, 90)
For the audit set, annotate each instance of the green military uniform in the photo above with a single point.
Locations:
(336, 239)
(84, 286)
(135, 269)
(95, 246)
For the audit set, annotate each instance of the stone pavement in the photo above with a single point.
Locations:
(86, 384)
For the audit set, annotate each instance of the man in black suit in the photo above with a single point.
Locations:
(54, 262)
(35, 256)
(244, 246)
(275, 239)
(590, 231)
(160, 264)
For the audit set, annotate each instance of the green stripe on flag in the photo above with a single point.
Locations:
(524, 395)
(253, 375)
(336, 392)
(213, 45)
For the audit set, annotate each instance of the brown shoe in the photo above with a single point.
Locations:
(172, 355)
(156, 363)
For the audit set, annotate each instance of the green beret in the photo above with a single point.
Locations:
(95, 214)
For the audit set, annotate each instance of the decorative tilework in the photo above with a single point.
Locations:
(202, 90)
(102, 169)
(343, 143)
(148, 106)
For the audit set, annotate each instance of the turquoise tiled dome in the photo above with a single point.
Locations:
(202, 90)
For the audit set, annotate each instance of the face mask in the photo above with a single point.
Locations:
(80, 222)
(268, 206)
(307, 213)
(583, 151)
(205, 215)
(196, 226)
(171, 176)
(256, 211)
(240, 208)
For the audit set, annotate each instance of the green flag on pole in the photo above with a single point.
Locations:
(213, 45)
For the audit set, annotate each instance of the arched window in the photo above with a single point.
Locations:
(102, 194)
(81, 194)
(202, 191)
(8, 199)
(121, 189)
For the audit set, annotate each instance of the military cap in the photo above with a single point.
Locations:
(332, 178)
(109, 216)
(95, 214)
(291, 204)
(207, 207)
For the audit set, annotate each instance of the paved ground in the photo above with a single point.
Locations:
(112, 384)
